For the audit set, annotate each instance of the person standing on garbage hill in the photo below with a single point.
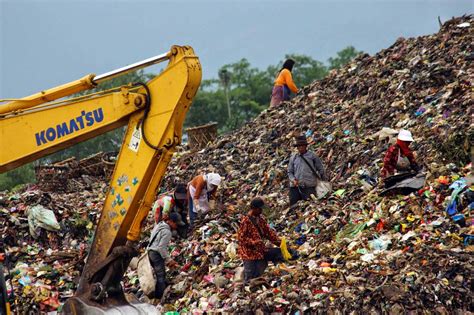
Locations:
(158, 249)
(253, 232)
(399, 156)
(283, 84)
(304, 170)
(177, 202)
(202, 194)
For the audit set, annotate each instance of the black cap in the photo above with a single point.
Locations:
(300, 140)
(257, 203)
(180, 191)
(180, 188)
(176, 218)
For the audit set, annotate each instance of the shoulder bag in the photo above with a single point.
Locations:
(322, 187)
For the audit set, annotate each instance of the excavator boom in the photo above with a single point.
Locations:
(154, 114)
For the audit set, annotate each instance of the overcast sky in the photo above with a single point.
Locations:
(47, 43)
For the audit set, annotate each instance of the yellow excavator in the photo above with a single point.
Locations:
(154, 112)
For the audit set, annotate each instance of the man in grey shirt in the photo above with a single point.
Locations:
(158, 249)
(301, 172)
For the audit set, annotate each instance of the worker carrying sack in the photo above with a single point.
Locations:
(146, 274)
(322, 187)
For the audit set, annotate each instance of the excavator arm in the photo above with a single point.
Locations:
(154, 114)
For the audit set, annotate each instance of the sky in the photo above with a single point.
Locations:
(48, 43)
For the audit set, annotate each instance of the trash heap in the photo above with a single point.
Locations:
(358, 251)
(46, 236)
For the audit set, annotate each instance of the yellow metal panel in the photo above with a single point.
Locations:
(38, 132)
(140, 168)
(49, 95)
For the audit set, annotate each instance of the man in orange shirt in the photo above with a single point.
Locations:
(283, 84)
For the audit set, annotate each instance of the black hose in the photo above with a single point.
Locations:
(147, 111)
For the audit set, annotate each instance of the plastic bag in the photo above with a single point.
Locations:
(200, 205)
(284, 250)
(40, 217)
(350, 232)
(231, 251)
(380, 243)
(323, 188)
(146, 275)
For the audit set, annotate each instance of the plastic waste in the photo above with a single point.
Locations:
(284, 250)
(40, 217)
(231, 250)
(380, 243)
(350, 232)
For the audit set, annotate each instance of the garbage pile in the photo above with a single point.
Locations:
(46, 236)
(359, 251)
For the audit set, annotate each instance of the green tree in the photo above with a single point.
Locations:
(224, 78)
(209, 105)
(20, 175)
(343, 57)
(249, 92)
(244, 89)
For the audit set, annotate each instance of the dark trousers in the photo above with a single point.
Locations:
(299, 193)
(256, 268)
(158, 264)
(183, 230)
(192, 214)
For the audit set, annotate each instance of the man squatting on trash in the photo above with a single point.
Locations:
(252, 233)
(400, 157)
(176, 202)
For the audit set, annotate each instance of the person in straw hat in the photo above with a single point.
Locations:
(304, 170)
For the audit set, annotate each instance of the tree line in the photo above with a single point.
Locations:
(238, 93)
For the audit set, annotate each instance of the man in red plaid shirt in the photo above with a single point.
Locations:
(252, 233)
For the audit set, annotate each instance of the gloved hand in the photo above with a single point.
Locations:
(294, 253)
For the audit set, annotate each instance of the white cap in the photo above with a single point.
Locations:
(405, 135)
(213, 179)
